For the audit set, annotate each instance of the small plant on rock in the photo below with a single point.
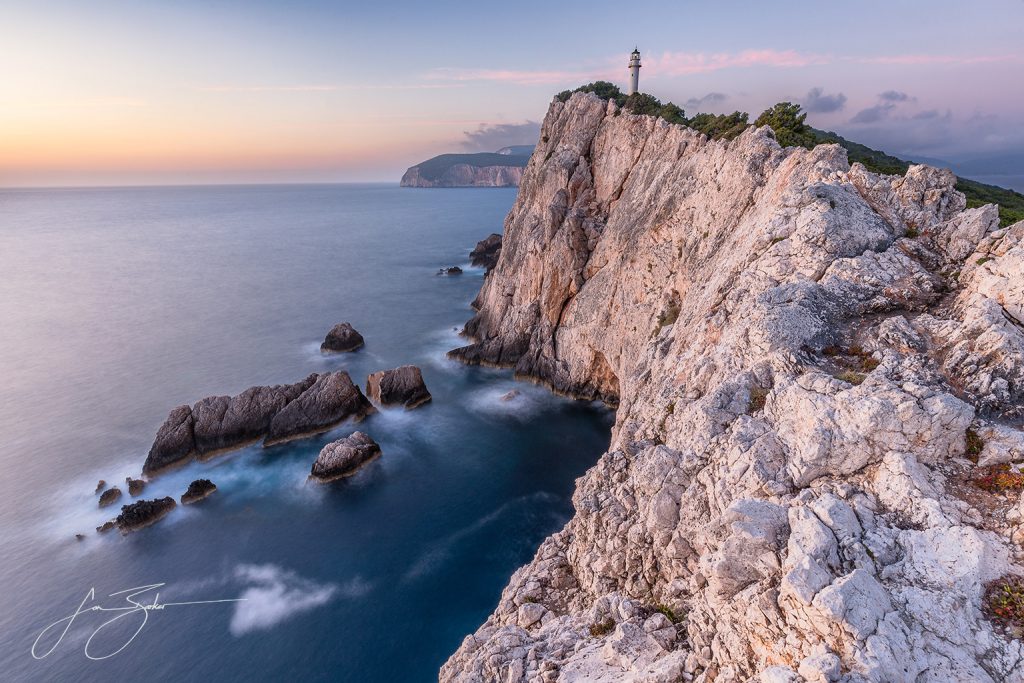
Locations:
(1000, 479)
(668, 612)
(975, 445)
(851, 377)
(758, 396)
(602, 628)
(1004, 601)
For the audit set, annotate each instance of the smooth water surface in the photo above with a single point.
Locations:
(118, 304)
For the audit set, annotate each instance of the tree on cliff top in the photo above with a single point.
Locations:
(787, 121)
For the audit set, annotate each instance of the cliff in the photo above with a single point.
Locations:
(486, 169)
(818, 373)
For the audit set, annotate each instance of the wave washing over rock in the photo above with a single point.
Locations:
(806, 358)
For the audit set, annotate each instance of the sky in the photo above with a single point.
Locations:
(223, 91)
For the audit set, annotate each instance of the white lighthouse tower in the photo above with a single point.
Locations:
(634, 72)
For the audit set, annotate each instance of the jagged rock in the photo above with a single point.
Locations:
(135, 486)
(450, 270)
(510, 396)
(805, 510)
(329, 400)
(342, 458)
(106, 526)
(110, 496)
(102, 484)
(486, 252)
(197, 490)
(342, 337)
(401, 385)
(276, 413)
(223, 422)
(174, 444)
(143, 513)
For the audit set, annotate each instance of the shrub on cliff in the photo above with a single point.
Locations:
(787, 122)
(720, 126)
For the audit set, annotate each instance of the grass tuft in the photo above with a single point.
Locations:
(602, 628)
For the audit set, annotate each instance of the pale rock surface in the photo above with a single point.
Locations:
(804, 520)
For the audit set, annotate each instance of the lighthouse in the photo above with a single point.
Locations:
(634, 72)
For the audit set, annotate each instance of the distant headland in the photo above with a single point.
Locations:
(503, 168)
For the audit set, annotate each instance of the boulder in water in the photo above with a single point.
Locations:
(342, 338)
(331, 399)
(102, 484)
(342, 458)
(197, 490)
(110, 496)
(135, 486)
(143, 513)
(401, 385)
(450, 270)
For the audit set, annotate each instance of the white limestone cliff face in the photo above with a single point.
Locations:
(795, 379)
(465, 175)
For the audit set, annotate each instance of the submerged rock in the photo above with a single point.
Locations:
(401, 385)
(110, 496)
(331, 399)
(277, 413)
(102, 484)
(486, 252)
(342, 458)
(106, 526)
(451, 270)
(143, 513)
(342, 338)
(79, 537)
(511, 396)
(197, 490)
(135, 486)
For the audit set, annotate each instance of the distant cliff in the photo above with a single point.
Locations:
(485, 169)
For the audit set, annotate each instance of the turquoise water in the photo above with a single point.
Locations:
(118, 304)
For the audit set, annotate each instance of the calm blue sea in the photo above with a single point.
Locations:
(118, 304)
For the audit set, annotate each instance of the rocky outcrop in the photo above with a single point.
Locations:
(342, 338)
(403, 385)
(143, 513)
(135, 486)
(804, 356)
(110, 496)
(486, 252)
(450, 270)
(330, 399)
(197, 491)
(344, 457)
(100, 485)
(273, 413)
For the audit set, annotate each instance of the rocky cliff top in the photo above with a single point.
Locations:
(819, 374)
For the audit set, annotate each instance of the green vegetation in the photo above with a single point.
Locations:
(975, 445)
(758, 397)
(983, 260)
(851, 377)
(602, 628)
(788, 123)
(432, 169)
(1003, 602)
(1000, 479)
(668, 612)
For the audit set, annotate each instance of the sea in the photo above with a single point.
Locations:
(118, 304)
